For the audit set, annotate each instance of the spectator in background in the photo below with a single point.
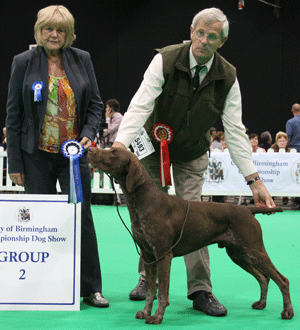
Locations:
(223, 142)
(281, 142)
(213, 132)
(113, 120)
(254, 143)
(216, 143)
(265, 140)
(3, 143)
(293, 128)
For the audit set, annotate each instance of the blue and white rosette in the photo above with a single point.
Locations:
(37, 89)
(73, 150)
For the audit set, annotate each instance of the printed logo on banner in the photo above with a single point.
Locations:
(23, 214)
(295, 172)
(217, 171)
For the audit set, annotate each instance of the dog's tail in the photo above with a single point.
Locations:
(264, 209)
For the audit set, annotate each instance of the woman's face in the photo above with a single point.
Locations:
(254, 141)
(53, 38)
(282, 143)
(223, 142)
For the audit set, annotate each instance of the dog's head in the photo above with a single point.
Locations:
(121, 164)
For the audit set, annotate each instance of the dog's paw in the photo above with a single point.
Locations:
(155, 319)
(287, 313)
(142, 314)
(259, 305)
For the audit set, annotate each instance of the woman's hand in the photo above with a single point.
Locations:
(85, 142)
(17, 178)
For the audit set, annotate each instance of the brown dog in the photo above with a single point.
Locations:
(166, 226)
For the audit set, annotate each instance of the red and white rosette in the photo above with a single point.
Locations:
(164, 135)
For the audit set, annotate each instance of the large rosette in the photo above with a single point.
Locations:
(164, 135)
(73, 150)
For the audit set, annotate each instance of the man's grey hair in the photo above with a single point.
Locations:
(265, 137)
(211, 15)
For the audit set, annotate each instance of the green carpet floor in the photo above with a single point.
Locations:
(235, 288)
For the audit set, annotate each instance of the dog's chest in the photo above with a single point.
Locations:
(144, 235)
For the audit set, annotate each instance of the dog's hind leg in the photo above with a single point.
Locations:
(163, 272)
(238, 256)
(264, 263)
(257, 262)
(151, 273)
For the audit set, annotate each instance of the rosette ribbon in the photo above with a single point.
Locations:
(164, 135)
(37, 89)
(73, 150)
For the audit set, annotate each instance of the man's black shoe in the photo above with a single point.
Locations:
(207, 303)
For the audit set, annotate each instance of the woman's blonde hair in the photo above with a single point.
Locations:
(58, 16)
(281, 135)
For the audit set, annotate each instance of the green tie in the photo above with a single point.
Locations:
(196, 77)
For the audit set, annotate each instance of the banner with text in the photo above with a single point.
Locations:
(39, 252)
(280, 173)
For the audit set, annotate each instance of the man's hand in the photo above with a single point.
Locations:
(260, 193)
(17, 178)
(85, 142)
(118, 145)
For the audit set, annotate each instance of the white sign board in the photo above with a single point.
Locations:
(39, 252)
(280, 173)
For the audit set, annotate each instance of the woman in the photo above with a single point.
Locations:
(113, 118)
(53, 97)
(216, 141)
(254, 143)
(3, 143)
(281, 142)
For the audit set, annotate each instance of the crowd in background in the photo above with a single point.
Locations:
(287, 141)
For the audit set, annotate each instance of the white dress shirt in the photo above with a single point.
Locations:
(142, 105)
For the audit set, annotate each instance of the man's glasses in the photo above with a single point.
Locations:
(211, 38)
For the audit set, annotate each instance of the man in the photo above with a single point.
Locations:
(188, 108)
(266, 140)
(293, 128)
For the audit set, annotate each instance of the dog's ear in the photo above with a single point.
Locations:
(135, 177)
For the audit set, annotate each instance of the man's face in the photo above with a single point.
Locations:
(206, 39)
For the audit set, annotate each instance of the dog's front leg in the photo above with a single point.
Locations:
(150, 291)
(163, 273)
